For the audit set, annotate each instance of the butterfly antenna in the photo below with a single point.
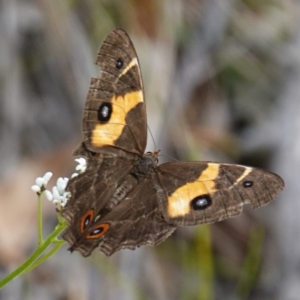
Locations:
(168, 156)
(152, 137)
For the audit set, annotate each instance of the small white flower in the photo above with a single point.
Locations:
(59, 196)
(74, 175)
(47, 177)
(36, 188)
(41, 183)
(61, 184)
(49, 195)
(81, 167)
(55, 193)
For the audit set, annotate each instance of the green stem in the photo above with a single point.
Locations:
(40, 220)
(45, 257)
(35, 255)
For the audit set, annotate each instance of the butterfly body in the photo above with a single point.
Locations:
(125, 199)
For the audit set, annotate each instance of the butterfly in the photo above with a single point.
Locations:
(125, 199)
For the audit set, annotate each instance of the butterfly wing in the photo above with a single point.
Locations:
(115, 111)
(192, 193)
(93, 194)
(134, 222)
(180, 193)
(115, 134)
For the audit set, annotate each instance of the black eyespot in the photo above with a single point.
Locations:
(119, 63)
(104, 112)
(248, 184)
(87, 221)
(201, 202)
(97, 231)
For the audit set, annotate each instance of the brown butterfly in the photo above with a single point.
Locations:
(125, 199)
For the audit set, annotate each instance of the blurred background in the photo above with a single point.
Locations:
(222, 83)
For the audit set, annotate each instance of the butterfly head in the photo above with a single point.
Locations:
(145, 164)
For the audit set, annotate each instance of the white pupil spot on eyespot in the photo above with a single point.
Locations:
(105, 111)
(201, 202)
(87, 221)
(96, 231)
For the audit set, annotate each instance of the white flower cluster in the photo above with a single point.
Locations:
(59, 195)
(41, 183)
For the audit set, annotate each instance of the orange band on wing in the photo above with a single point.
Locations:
(107, 134)
(179, 201)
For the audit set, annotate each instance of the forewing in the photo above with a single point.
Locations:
(115, 112)
(203, 192)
